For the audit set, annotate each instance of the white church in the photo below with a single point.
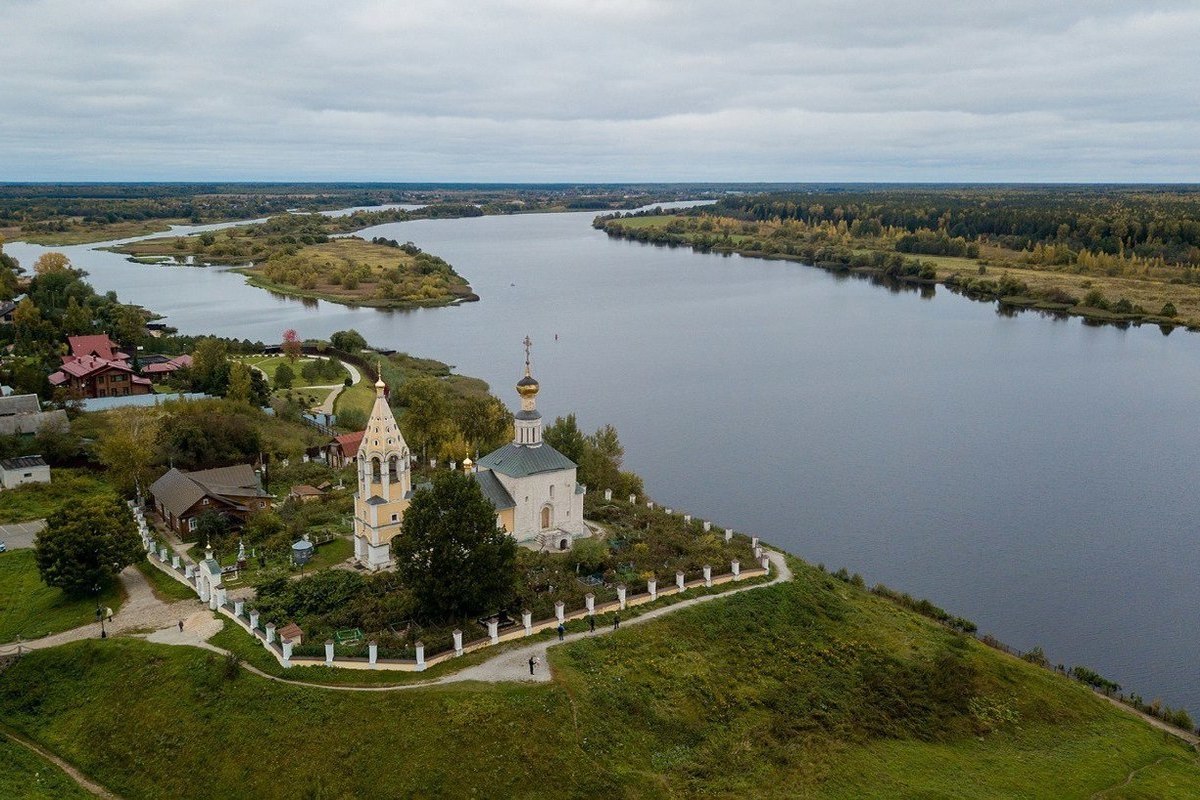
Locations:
(532, 486)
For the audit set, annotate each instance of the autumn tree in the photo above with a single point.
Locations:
(291, 344)
(128, 447)
(239, 383)
(50, 263)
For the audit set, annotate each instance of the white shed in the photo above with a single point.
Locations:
(23, 469)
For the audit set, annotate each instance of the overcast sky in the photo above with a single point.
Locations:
(616, 90)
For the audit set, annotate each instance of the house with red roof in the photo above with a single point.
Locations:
(343, 449)
(96, 368)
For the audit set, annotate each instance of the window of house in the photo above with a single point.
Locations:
(204, 501)
(192, 524)
(552, 492)
(395, 517)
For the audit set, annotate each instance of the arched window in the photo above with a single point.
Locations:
(393, 464)
(564, 544)
(376, 468)
(546, 518)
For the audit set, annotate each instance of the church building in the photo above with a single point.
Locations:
(384, 485)
(532, 485)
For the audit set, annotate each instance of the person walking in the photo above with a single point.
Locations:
(181, 626)
(532, 661)
(592, 623)
(561, 631)
(108, 610)
(616, 621)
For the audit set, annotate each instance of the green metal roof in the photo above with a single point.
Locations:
(520, 461)
(493, 490)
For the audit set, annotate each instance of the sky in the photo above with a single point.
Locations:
(607, 90)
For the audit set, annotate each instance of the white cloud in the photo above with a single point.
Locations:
(618, 90)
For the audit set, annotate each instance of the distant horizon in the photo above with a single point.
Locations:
(588, 184)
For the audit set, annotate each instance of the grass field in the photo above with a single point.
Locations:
(165, 588)
(40, 500)
(809, 689)
(31, 609)
(28, 776)
(360, 396)
(79, 233)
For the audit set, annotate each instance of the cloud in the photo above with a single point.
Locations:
(616, 90)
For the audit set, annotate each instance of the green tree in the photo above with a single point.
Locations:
(76, 319)
(86, 544)
(350, 341)
(284, 377)
(426, 422)
(129, 327)
(450, 552)
(565, 437)
(210, 368)
(209, 433)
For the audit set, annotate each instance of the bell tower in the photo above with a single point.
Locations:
(384, 485)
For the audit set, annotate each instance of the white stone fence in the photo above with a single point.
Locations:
(265, 631)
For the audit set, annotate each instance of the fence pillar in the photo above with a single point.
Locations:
(707, 526)
(270, 632)
(754, 541)
(287, 652)
(238, 607)
(766, 564)
(589, 600)
(493, 630)
(253, 619)
(329, 652)
(175, 561)
(736, 569)
(687, 519)
(758, 551)
(558, 611)
(162, 554)
(527, 621)
(650, 504)
(420, 656)
(679, 580)
(222, 595)
(189, 571)
(652, 588)
(621, 596)
(372, 653)
(633, 499)
(212, 598)
(458, 649)
(728, 534)
(608, 494)
(668, 512)
(707, 575)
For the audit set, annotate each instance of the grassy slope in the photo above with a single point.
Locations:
(38, 500)
(811, 689)
(27, 776)
(31, 609)
(165, 588)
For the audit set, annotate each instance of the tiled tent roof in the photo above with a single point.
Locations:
(22, 462)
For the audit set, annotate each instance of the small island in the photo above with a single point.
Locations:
(309, 256)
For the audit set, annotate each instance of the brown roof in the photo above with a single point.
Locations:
(305, 489)
(349, 443)
(291, 631)
(178, 491)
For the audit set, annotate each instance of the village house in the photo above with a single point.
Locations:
(303, 493)
(343, 449)
(157, 365)
(96, 368)
(182, 497)
(21, 414)
(23, 469)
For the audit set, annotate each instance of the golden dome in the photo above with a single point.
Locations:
(527, 386)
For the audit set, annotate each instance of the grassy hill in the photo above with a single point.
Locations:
(813, 688)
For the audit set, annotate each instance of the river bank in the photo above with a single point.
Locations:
(993, 277)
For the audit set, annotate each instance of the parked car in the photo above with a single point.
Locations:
(3, 547)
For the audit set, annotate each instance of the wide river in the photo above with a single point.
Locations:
(1034, 475)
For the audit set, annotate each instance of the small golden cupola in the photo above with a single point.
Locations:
(527, 422)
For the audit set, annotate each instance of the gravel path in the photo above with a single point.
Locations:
(327, 406)
(141, 611)
(85, 783)
(513, 665)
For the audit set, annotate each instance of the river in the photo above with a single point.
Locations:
(1034, 475)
